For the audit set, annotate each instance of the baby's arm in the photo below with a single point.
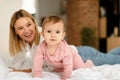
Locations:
(68, 67)
(38, 62)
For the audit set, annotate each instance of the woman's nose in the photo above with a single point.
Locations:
(26, 29)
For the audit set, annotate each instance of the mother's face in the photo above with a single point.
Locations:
(25, 29)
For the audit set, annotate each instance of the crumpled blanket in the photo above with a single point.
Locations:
(104, 72)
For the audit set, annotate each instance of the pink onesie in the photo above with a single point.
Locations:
(65, 59)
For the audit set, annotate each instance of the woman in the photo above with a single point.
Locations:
(23, 40)
(25, 36)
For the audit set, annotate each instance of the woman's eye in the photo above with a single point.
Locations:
(19, 28)
(28, 25)
(49, 31)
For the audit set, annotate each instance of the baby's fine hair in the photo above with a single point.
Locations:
(51, 20)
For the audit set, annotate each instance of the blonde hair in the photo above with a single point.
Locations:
(16, 44)
(51, 20)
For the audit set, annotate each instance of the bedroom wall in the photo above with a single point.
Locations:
(85, 13)
(46, 8)
(7, 7)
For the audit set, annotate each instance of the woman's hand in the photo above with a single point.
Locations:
(18, 70)
(11, 69)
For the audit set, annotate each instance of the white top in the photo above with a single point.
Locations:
(24, 60)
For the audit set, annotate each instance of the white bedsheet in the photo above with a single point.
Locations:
(105, 72)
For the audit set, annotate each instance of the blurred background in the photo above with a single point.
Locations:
(89, 22)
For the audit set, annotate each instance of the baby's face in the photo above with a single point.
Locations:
(53, 33)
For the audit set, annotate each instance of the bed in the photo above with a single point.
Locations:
(104, 72)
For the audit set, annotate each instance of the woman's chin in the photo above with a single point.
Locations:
(29, 40)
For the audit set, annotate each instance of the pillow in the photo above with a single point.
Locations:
(3, 70)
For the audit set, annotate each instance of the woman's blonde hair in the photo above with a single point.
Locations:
(16, 44)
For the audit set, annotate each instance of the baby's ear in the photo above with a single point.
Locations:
(64, 34)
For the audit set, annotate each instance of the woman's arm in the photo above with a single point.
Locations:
(18, 70)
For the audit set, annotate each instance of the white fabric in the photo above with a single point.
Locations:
(3, 69)
(105, 72)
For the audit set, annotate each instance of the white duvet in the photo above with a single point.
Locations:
(105, 72)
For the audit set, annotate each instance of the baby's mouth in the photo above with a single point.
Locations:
(52, 39)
